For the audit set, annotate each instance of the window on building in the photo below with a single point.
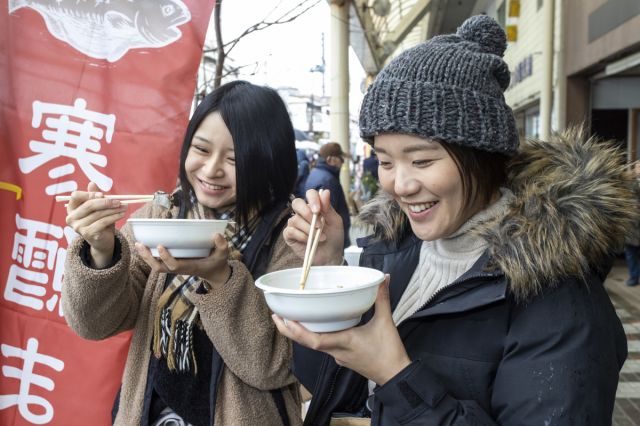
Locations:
(532, 123)
(540, 4)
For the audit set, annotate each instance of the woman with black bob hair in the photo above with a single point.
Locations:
(216, 357)
(260, 141)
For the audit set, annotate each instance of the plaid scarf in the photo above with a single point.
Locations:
(176, 315)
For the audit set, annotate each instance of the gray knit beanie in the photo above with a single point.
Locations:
(450, 88)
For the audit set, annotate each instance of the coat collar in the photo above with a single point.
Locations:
(573, 204)
(323, 165)
(492, 290)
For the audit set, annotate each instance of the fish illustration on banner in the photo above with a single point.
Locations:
(107, 29)
(68, 117)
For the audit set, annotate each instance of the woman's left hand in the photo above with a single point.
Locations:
(213, 268)
(373, 350)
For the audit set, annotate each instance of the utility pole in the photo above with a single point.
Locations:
(323, 66)
(340, 81)
(310, 111)
(311, 108)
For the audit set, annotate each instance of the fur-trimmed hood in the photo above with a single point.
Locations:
(574, 203)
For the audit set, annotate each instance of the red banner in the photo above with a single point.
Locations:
(90, 90)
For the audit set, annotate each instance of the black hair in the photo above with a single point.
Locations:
(263, 140)
(482, 173)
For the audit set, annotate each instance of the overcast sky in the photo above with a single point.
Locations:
(282, 55)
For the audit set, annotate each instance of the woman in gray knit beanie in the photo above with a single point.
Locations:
(494, 309)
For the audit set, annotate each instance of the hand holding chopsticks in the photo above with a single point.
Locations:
(124, 199)
(94, 216)
(310, 251)
(297, 234)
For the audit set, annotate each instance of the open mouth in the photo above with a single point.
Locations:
(422, 207)
(210, 186)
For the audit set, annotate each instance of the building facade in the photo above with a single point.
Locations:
(602, 68)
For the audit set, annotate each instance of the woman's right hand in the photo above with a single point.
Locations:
(330, 249)
(94, 218)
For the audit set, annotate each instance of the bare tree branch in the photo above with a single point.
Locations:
(222, 49)
(227, 71)
(221, 54)
(285, 18)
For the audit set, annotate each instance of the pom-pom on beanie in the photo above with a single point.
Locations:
(448, 88)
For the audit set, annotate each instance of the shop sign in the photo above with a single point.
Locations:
(523, 70)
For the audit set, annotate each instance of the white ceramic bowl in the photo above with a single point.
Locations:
(334, 297)
(182, 237)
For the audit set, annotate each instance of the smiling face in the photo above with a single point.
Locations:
(423, 178)
(210, 165)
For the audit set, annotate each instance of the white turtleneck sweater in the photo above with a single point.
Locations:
(444, 260)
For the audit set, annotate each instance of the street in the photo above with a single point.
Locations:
(627, 303)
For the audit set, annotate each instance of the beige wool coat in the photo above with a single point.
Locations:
(102, 303)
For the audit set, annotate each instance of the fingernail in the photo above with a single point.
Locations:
(276, 317)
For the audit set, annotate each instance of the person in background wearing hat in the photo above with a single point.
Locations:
(326, 175)
(494, 309)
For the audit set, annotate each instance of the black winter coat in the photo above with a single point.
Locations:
(324, 176)
(527, 336)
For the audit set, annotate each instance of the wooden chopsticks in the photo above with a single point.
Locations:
(124, 199)
(310, 251)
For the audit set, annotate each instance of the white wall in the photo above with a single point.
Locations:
(530, 25)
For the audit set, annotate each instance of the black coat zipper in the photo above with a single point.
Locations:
(447, 288)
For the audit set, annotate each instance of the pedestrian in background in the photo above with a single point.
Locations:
(494, 310)
(370, 181)
(326, 175)
(204, 350)
(353, 201)
(632, 240)
(303, 173)
(370, 165)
